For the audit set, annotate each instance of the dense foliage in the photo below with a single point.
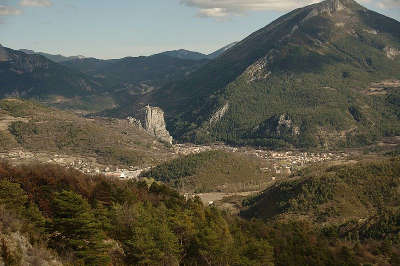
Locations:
(95, 221)
(333, 193)
(359, 203)
(92, 220)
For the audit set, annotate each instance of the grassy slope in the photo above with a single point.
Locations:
(211, 171)
(50, 130)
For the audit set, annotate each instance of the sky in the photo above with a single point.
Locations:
(118, 28)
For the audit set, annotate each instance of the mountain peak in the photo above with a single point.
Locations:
(185, 54)
(333, 7)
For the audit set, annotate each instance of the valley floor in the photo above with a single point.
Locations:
(275, 164)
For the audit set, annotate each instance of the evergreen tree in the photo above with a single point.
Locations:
(76, 230)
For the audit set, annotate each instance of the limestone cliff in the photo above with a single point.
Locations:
(152, 120)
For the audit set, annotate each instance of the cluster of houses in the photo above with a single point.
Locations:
(287, 162)
(283, 163)
(85, 165)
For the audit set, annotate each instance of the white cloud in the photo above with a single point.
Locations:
(386, 4)
(224, 8)
(216, 12)
(36, 3)
(9, 11)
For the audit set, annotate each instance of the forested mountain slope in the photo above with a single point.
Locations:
(325, 75)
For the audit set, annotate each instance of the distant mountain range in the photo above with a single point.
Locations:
(35, 76)
(85, 79)
(55, 58)
(135, 75)
(185, 54)
(181, 54)
(88, 83)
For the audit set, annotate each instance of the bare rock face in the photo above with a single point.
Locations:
(330, 7)
(391, 52)
(152, 120)
(219, 114)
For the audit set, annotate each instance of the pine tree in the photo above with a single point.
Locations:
(76, 230)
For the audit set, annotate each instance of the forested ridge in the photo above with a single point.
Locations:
(93, 220)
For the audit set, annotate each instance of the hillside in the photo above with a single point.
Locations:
(33, 127)
(89, 220)
(356, 202)
(211, 171)
(30, 76)
(87, 84)
(221, 51)
(63, 217)
(132, 76)
(326, 75)
(34, 76)
(333, 195)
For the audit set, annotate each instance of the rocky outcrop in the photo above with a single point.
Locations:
(134, 122)
(17, 250)
(259, 70)
(217, 116)
(391, 52)
(152, 120)
(277, 126)
(286, 124)
(329, 7)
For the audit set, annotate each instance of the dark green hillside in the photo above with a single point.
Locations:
(357, 203)
(93, 220)
(211, 171)
(33, 127)
(331, 70)
(334, 195)
(90, 220)
(135, 75)
(34, 76)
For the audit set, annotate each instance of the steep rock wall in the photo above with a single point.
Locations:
(152, 120)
